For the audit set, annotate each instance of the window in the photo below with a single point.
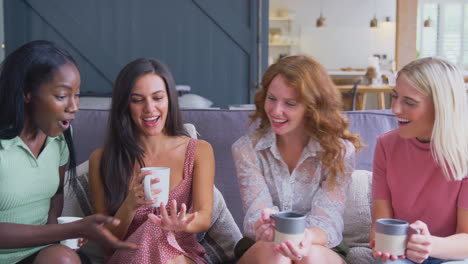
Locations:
(447, 35)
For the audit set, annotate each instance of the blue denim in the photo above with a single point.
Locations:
(430, 260)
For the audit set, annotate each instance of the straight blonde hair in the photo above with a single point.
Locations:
(443, 82)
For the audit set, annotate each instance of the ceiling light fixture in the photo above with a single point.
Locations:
(428, 22)
(374, 22)
(320, 23)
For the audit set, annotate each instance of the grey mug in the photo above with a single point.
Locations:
(289, 226)
(391, 236)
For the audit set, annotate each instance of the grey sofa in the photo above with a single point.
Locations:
(222, 128)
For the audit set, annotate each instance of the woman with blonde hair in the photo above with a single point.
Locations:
(420, 168)
(299, 159)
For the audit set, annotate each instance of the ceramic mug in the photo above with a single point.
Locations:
(289, 226)
(391, 236)
(163, 174)
(73, 242)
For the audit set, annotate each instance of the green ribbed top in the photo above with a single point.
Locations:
(26, 186)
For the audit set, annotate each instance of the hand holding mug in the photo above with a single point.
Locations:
(175, 221)
(291, 238)
(72, 243)
(384, 257)
(157, 180)
(391, 236)
(136, 194)
(419, 245)
(295, 251)
(265, 226)
(82, 241)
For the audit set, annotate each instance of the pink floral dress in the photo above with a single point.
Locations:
(155, 244)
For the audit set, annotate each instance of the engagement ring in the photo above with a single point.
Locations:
(299, 257)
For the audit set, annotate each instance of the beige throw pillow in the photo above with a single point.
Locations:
(357, 214)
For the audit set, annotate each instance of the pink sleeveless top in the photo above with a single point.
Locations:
(155, 244)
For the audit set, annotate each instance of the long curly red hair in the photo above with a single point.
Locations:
(324, 121)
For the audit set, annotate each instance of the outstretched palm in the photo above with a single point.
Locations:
(175, 221)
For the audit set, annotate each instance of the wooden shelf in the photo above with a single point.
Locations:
(280, 19)
(281, 45)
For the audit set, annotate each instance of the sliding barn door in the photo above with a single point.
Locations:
(210, 45)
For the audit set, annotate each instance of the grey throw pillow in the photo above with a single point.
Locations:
(221, 238)
(77, 197)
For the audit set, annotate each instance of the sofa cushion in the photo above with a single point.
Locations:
(76, 198)
(357, 214)
(360, 255)
(77, 203)
(221, 238)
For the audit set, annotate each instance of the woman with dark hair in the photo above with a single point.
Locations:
(146, 130)
(39, 89)
(299, 159)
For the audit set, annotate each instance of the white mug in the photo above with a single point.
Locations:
(391, 236)
(163, 174)
(73, 242)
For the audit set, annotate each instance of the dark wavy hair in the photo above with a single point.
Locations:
(324, 121)
(22, 72)
(121, 150)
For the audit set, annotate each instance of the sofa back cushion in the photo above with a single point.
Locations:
(369, 125)
(222, 128)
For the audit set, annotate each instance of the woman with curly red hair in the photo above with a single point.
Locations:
(299, 159)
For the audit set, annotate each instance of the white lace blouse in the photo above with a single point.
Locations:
(265, 182)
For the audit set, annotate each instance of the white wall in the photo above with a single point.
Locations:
(347, 40)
